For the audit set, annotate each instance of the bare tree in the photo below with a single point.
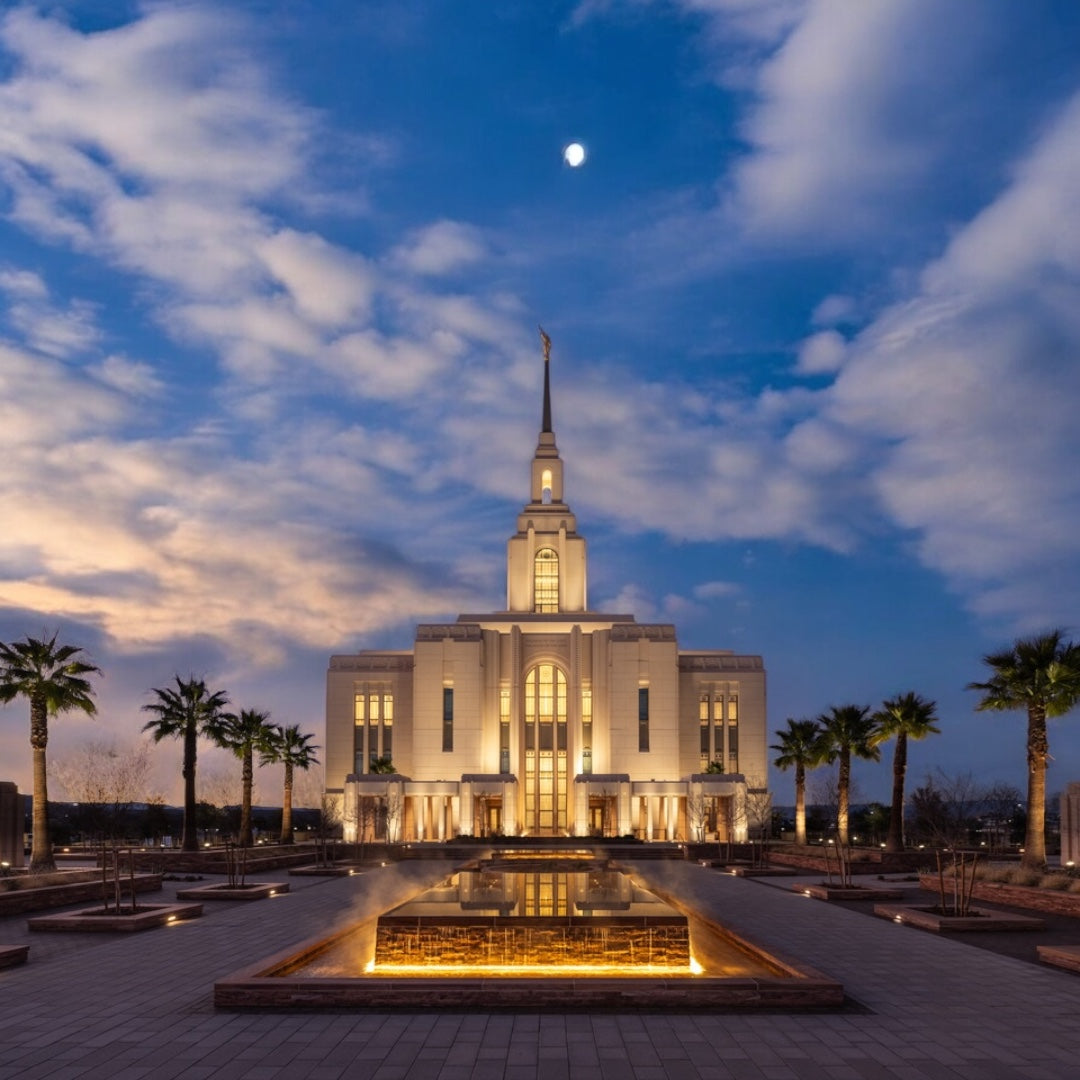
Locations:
(695, 815)
(945, 808)
(1001, 802)
(107, 780)
(222, 788)
(330, 818)
(758, 810)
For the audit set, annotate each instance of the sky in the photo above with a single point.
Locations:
(270, 278)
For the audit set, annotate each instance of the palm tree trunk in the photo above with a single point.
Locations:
(286, 806)
(800, 805)
(246, 780)
(1038, 750)
(191, 838)
(895, 840)
(843, 786)
(41, 853)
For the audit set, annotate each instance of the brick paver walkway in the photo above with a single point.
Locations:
(110, 1008)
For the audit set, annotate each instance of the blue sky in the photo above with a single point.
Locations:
(270, 275)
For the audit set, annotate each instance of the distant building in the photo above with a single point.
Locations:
(547, 718)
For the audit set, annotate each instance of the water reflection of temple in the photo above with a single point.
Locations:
(548, 893)
(547, 718)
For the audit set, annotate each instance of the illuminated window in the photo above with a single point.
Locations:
(447, 719)
(504, 731)
(545, 749)
(373, 719)
(546, 581)
(545, 487)
(703, 720)
(733, 732)
(718, 715)
(643, 719)
(586, 731)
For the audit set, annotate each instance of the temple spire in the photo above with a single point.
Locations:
(546, 342)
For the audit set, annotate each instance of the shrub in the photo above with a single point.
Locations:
(1056, 882)
(1018, 875)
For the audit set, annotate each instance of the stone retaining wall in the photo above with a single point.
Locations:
(863, 860)
(51, 896)
(1023, 896)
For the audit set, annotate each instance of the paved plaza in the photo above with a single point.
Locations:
(99, 1007)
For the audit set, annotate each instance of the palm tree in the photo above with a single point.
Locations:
(1042, 675)
(186, 713)
(288, 747)
(906, 716)
(54, 680)
(847, 731)
(799, 747)
(243, 735)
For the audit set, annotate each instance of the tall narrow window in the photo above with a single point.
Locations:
(643, 719)
(546, 581)
(360, 723)
(447, 719)
(388, 726)
(504, 731)
(586, 731)
(703, 721)
(373, 720)
(718, 728)
(374, 713)
(733, 733)
(545, 749)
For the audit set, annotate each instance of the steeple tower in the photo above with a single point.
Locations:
(547, 466)
(546, 557)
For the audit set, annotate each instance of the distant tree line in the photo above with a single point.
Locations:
(56, 678)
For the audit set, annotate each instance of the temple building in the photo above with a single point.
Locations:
(548, 718)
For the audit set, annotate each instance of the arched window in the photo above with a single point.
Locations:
(546, 581)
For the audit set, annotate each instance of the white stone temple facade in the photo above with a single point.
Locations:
(547, 718)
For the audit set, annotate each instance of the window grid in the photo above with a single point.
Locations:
(504, 730)
(373, 719)
(546, 581)
(718, 714)
(586, 731)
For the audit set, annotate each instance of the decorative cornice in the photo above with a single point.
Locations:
(372, 662)
(705, 662)
(643, 632)
(449, 632)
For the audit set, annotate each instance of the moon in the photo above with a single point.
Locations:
(574, 155)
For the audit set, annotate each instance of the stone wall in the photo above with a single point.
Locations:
(1053, 901)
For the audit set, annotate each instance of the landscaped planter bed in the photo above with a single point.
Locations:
(96, 920)
(1062, 956)
(825, 891)
(978, 919)
(256, 890)
(12, 955)
(323, 871)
